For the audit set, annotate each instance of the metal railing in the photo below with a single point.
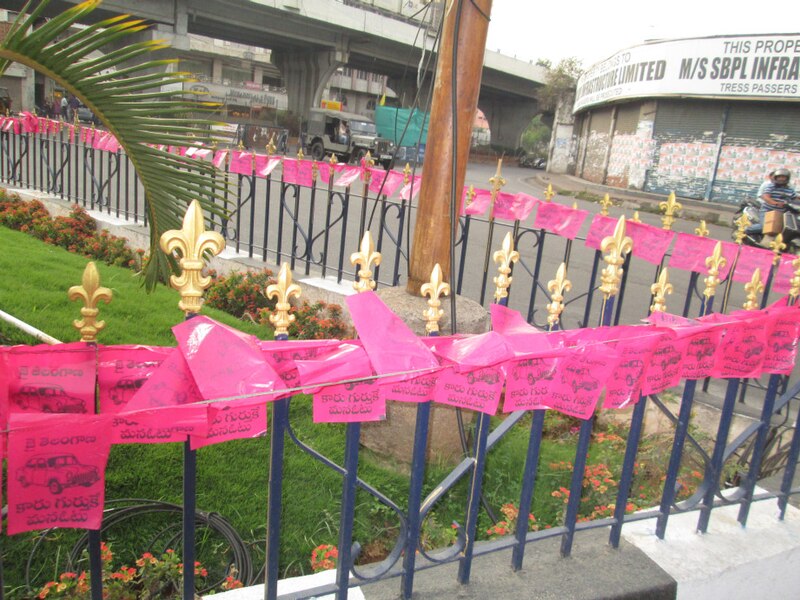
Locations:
(293, 232)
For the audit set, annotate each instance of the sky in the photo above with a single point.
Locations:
(593, 31)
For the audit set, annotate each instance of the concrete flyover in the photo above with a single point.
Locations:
(310, 39)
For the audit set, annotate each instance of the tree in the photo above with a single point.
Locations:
(536, 137)
(143, 106)
(559, 82)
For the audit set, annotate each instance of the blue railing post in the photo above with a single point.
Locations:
(714, 468)
(189, 509)
(280, 417)
(348, 509)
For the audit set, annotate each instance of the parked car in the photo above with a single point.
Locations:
(47, 398)
(57, 472)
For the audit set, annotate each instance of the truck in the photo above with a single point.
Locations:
(348, 136)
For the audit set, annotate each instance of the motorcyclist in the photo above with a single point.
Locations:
(777, 194)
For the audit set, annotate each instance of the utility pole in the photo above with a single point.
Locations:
(466, 23)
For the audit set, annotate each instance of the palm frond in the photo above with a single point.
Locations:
(128, 98)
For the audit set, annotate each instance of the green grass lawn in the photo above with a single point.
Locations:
(232, 477)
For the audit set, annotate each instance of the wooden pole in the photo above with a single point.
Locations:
(431, 243)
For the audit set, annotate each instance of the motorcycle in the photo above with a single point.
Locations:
(791, 227)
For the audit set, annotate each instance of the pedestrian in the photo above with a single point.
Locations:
(64, 107)
(74, 103)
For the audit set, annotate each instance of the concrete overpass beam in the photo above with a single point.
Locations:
(305, 75)
(508, 118)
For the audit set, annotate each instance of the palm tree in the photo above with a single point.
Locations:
(128, 99)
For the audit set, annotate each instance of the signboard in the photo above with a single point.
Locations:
(223, 94)
(755, 66)
(331, 104)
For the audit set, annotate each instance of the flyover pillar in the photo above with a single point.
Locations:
(508, 118)
(305, 75)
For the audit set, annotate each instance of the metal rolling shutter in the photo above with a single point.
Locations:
(683, 117)
(773, 122)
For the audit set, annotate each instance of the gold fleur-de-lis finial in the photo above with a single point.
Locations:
(794, 282)
(191, 241)
(702, 231)
(777, 246)
(742, 223)
(670, 208)
(752, 289)
(283, 291)
(497, 180)
(434, 289)
(557, 287)
(660, 290)
(406, 174)
(240, 146)
(636, 218)
(91, 293)
(549, 193)
(504, 259)
(615, 248)
(470, 195)
(314, 170)
(715, 263)
(605, 204)
(574, 206)
(369, 161)
(300, 155)
(365, 256)
(270, 147)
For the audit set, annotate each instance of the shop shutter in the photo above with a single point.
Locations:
(627, 118)
(681, 117)
(765, 122)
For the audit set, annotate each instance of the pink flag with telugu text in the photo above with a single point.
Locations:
(561, 220)
(326, 169)
(56, 466)
(782, 333)
(514, 207)
(385, 182)
(601, 228)
(219, 159)
(122, 370)
(478, 204)
(750, 259)
(348, 176)
(266, 164)
(690, 253)
(411, 189)
(782, 282)
(649, 243)
(241, 162)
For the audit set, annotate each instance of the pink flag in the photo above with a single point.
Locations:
(326, 169)
(702, 340)
(558, 219)
(159, 425)
(298, 172)
(665, 364)
(601, 228)
(225, 362)
(483, 350)
(411, 189)
(53, 379)
(348, 176)
(30, 124)
(416, 389)
(514, 207)
(390, 181)
(354, 402)
(635, 347)
(782, 282)
(741, 350)
(347, 362)
(649, 243)
(375, 324)
(122, 370)
(8, 123)
(266, 164)
(169, 385)
(750, 259)
(528, 382)
(475, 390)
(478, 204)
(782, 334)
(233, 420)
(282, 354)
(241, 162)
(690, 253)
(219, 159)
(56, 467)
(523, 339)
(87, 135)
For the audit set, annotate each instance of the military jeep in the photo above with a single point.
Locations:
(348, 136)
